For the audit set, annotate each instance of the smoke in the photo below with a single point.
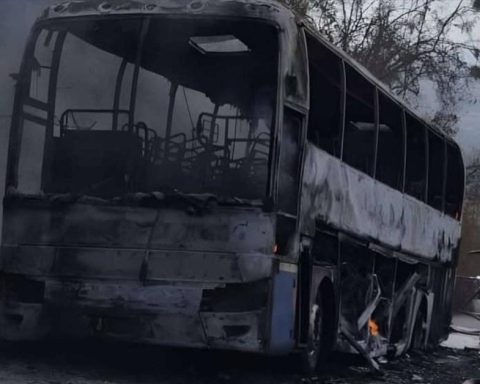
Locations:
(16, 19)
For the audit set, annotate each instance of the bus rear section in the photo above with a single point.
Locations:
(140, 176)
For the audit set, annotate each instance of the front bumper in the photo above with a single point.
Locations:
(167, 314)
(137, 273)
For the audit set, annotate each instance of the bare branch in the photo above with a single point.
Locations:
(403, 42)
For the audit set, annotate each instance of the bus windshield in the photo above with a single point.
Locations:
(149, 105)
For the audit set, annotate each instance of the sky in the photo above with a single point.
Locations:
(469, 125)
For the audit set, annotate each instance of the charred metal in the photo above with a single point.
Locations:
(216, 175)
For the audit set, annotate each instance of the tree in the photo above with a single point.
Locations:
(404, 43)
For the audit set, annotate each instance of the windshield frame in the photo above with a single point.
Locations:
(23, 84)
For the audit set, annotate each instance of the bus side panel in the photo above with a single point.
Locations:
(346, 199)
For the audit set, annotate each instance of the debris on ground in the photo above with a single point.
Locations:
(100, 363)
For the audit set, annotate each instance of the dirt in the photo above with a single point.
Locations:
(112, 363)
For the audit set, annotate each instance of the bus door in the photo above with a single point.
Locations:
(282, 336)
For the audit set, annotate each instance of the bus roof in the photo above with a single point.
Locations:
(259, 9)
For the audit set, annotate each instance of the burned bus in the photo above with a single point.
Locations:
(215, 174)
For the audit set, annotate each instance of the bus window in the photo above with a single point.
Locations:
(390, 158)
(35, 111)
(41, 65)
(436, 170)
(31, 157)
(416, 175)
(87, 156)
(89, 106)
(455, 182)
(360, 129)
(190, 109)
(209, 113)
(324, 128)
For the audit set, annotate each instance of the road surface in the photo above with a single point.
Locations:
(107, 363)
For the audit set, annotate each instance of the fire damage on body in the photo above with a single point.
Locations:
(172, 179)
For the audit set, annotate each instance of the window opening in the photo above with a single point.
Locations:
(416, 173)
(390, 158)
(197, 121)
(326, 106)
(360, 126)
(455, 182)
(436, 170)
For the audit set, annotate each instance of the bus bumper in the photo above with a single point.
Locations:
(218, 300)
(166, 314)
(233, 331)
(173, 315)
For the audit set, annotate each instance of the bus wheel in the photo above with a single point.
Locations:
(314, 353)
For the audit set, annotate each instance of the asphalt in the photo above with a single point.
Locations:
(95, 362)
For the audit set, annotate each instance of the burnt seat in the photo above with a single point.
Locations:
(96, 163)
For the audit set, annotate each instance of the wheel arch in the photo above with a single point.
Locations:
(323, 293)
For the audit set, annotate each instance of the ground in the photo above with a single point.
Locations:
(101, 362)
(107, 363)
